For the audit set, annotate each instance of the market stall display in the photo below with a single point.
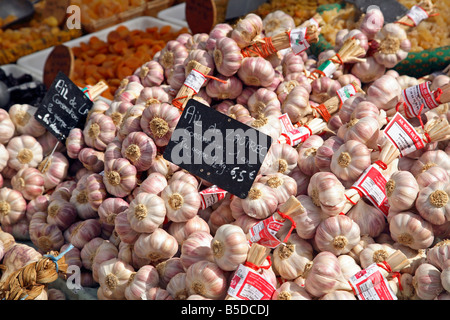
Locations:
(354, 188)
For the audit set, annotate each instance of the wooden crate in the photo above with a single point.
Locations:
(153, 7)
(96, 25)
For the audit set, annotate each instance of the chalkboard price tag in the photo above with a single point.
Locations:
(217, 148)
(63, 108)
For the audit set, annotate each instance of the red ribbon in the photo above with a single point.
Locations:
(255, 267)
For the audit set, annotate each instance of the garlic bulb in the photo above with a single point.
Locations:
(79, 198)
(7, 127)
(168, 269)
(394, 45)
(307, 154)
(291, 291)
(123, 228)
(182, 230)
(432, 158)
(325, 275)
(430, 175)
(339, 295)
(277, 22)
(139, 149)
(219, 31)
(365, 130)
(182, 200)
(375, 253)
(54, 169)
(327, 192)
(230, 247)
(264, 102)
(92, 159)
(96, 190)
(256, 71)
(230, 88)
(348, 266)
(337, 234)
(146, 212)
(296, 104)
(61, 213)
(12, 206)
(177, 287)
(22, 115)
(46, 237)
(291, 258)
(350, 160)
(283, 185)
(82, 232)
(30, 182)
(156, 246)
(150, 73)
(105, 251)
(385, 93)
(411, 230)
(120, 177)
(433, 202)
(427, 282)
(325, 152)
(110, 208)
(141, 282)
(206, 279)
(172, 54)
(131, 121)
(114, 275)
(246, 30)
(371, 220)
(261, 201)
(99, 131)
(16, 257)
(24, 151)
(439, 254)
(401, 190)
(281, 158)
(196, 247)
(158, 121)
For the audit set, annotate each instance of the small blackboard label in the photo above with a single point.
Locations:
(217, 148)
(63, 108)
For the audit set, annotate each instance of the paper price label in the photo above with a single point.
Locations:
(211, 195)
(195, 80)
(328, 68)
(346, 92)
(246, 284)
(264, 232)
(292, 135)
(416, 96)
(372, 184)
(403, 135)
(370, 284)
(417, 14)
(298, 41)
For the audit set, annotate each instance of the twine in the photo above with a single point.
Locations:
(28, 282)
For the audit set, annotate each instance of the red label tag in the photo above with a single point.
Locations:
(211, 195)
(247, 284)
(292, 135)
(417, 96)
(372, 184)
(264, 232)
(370, 284)
(403, 135)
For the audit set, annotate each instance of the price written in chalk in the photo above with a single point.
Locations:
(217, 148)
(63, 108)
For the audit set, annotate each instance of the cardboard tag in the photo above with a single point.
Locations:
(417, 14)
(217, 148)
(264, 232)
(346, 92)
(63, 108)
(210, 196)
(298, 41)
(370, 284)
(416, 96)
(246, 284)
(328, 68)
(61, 59)
(292, 135)
(372, 184)
(403, 135)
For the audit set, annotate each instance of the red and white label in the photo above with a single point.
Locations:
(370, 284)
(264, 232)
(346, 92)
(403, 135)
(417, 14)
(417, 96)
(211, 195)
(314, 22)
(195, 80)
(247, 284)
(297, 38)
(372, 184)
(292, 135)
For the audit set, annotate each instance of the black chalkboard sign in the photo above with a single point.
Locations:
(217, 148)
(392, 9)
(63, 108)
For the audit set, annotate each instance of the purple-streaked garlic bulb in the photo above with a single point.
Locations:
(368, 70)
(296, 104)
(139, 149)
(371, 220)
(158, 121)
(231, 88)
(150, 73)
(156, 246)
(172, 54)
(433, 203)
(411, 230)
(277, 22)
(181, 199)
(227, 56)
(7, 127)
(307, 154)
(327, 192)
(261, 201)
(30, 182)
(247, 29)
(24, 151)
(394, 45)
(350, 160)
(219, 31)
(146, 212)
(256, 71)
(401, 190)
(324, 153)
(22, 115)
